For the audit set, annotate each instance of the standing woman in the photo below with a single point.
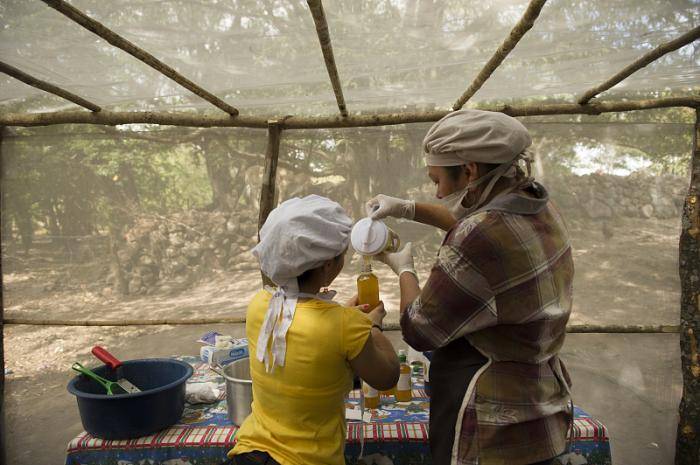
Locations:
(304, 347)
(495, 306)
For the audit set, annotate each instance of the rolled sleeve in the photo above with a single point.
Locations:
(456, 300)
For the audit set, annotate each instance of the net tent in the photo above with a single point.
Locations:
(148, 224)
(264, 57)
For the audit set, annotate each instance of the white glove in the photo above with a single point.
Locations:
(400, 261)
(382, 206)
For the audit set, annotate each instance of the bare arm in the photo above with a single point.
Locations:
(410, 290)
(434, 215)
(377, 362)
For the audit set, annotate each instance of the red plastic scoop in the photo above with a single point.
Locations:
(114, 363)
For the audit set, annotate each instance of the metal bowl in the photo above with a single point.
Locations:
(239, 389)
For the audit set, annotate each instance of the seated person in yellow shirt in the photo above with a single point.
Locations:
(304, 347)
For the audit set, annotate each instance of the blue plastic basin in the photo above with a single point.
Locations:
(123, 416)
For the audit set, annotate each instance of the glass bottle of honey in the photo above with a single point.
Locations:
(371, 396)
(404, 391)
(367, 285)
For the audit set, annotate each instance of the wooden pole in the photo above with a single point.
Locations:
(574, 329)
(269, 181)
(688, 434)
(118, 41)
(267, 192)
(2, 311)
(208, 120)
(324, 38)
(46, 87)
(525, 24)
(132, 322)
(647, 58)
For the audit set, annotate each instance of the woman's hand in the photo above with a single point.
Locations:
(352, 302)
(382, 206)
(399, 261)
(377, 314)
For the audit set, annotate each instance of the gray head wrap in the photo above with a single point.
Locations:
(475, 135)
(478, 136)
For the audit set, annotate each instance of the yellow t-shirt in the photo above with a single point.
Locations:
(298, 411)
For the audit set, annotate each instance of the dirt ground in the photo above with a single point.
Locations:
(631, 383)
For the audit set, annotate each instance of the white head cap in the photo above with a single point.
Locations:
(475, 135)
(299, 235)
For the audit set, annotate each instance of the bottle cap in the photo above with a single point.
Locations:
(402, 355)
(369, 237)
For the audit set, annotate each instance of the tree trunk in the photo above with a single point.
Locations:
(219, 174)
(120, 284)
(128, 183)
(52, 220)
(688, 435)
(23, 220)
(239, 185)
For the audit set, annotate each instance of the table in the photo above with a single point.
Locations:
(397, 431)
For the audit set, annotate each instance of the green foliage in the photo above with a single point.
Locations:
(72, 181)
(82, 180)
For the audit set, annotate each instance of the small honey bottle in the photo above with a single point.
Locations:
(371, 396)
(367, 285)
(403, 387)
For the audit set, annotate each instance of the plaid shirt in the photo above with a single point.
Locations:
(503, 279)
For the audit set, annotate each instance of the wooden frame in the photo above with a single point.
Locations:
(635, 66)
(2, 321)
(118, 41)
(46, 87)
(269, 182)
(688, 445)
(525, 24)
(573, 328)
(209, 120)
(324, 38)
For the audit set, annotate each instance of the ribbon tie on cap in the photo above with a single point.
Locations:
(278, 319)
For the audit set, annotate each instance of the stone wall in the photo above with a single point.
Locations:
(602, 196)
(169, 254)
(172, 253)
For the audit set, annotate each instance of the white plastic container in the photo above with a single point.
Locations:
(371, 237)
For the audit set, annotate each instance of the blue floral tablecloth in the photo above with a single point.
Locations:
(397, 432)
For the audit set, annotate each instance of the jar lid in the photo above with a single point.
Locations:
(369, 236)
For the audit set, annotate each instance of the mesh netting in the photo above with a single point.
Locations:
(143, 222)
(264, 56)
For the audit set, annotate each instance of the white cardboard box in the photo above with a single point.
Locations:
(218, 356)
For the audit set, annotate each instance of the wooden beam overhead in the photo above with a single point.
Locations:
(525, 24)
(644, 60)
(118, 41)
(324, 38)
(208, 120)
(46, 87)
